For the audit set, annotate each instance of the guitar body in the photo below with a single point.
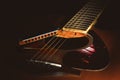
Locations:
(71, 46)
(71, 55)
(96, 60)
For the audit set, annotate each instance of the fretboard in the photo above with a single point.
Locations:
(86, 17)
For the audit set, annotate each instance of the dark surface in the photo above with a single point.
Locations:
(32, 18)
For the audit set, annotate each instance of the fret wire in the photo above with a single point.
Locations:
(72, 20)
(87, 19)
(77, 15)
(75, 19)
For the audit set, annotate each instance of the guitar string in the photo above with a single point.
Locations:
(51, 50)
(72, 23)
(42, 48)
(62, 42)
(81, 21)
(50, 40)
(46, 49)
(57, 48)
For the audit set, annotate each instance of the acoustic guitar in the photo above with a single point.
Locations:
(75, 46)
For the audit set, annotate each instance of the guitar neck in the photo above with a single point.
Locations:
(86, 17)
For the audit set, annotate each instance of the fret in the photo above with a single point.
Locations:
(76, 16)
(85, 17)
